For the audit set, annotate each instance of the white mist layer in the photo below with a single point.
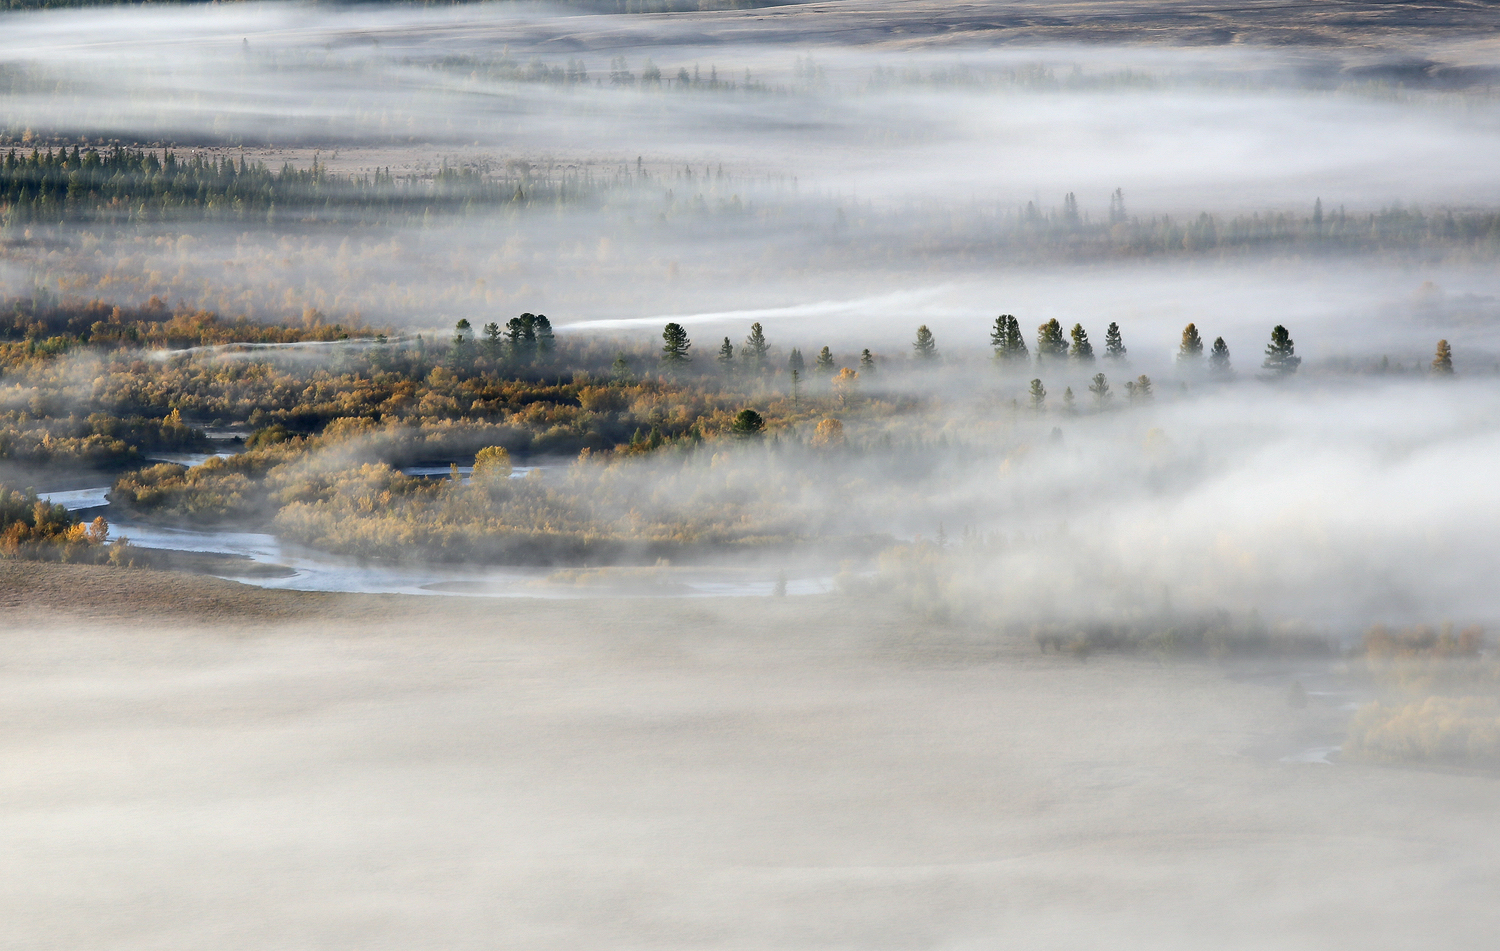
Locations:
(1339, 505)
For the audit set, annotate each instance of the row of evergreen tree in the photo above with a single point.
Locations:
(54, 185)
(1008, 342)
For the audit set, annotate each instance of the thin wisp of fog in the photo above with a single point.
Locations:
(715, 474)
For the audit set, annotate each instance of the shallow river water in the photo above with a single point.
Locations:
(319, 571)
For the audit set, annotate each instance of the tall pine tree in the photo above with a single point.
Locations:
(925, 346)
(1114, 345)
(1218, 359)
(1083, 351)
(1281, 353)
(1191, 349)
(1050, 343)
(675, 345)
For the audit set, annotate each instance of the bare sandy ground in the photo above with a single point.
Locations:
(189, 764)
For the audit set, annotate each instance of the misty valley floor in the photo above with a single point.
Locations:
(301, 771)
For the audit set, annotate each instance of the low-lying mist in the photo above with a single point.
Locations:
(775, 172)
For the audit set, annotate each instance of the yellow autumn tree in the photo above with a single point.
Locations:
(829, 434)
(492, 464)
(845, 385)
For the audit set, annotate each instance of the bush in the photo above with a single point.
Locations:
(1462, 731)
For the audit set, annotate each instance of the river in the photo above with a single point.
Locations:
(314, 570)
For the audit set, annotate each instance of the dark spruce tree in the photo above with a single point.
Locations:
(1218, 359)
(1015, 342)
(1114, 346)
(541, 328)
(756, 348)
(795, 362)
(925, 346)
(747, 423)
(459, 355)
(726, 354)
(1083, 351)
(1038, 395)
(1051, 345)
(824, 362)
(866, 362)
(675, 345)
(999, 339)
(1281, 354)
(520, 333)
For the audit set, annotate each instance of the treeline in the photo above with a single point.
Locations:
(1032, 233)
(43, 327)
(120, 183)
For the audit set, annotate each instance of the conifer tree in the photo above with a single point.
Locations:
(1114, 346)
(459, 356)
(824, 363)
(1015, 342)
(726, 354)
(999, 338)
(520, 333)
(675, 344)
(1191, 349)
(492, 344)
(1442, 363)
(620, 369)
(1068, 400)
(866, 362)
(794, 362)
(1083, 351)
(1100, 388)
(1218, 359)
(1038, 395)
(1281, 354)
(1050, 343)
(756, 348)
(747, 423)
(1143, 387)
(542, 330)
(925, 345)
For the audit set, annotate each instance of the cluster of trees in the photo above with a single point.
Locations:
(336, 492)
(45, 327)
(35, 529)
(98, 441)
(136, 184)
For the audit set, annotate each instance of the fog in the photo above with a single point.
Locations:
(691, 776)
(882, 757)
(844, 161)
